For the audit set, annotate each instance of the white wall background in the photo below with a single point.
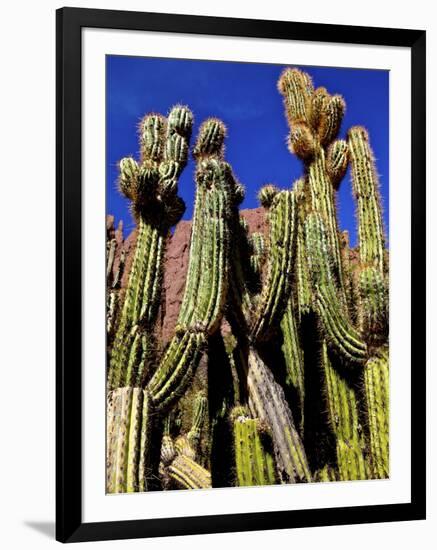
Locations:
(27, 192)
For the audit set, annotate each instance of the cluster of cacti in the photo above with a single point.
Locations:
(291, 328)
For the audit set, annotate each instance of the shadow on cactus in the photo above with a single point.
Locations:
(276, 367)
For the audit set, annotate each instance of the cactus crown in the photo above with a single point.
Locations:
(266, 194)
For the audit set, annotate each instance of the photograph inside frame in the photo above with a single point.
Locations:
(247, 274)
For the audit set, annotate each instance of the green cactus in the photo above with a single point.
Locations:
(254, 459)
(127, 440)
(179, 464)
(293, 356)
(315, 119)
(206, 284)
(277, 287)
(376, 383)
(151, 185)
(289, 326)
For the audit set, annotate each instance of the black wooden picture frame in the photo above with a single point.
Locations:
(69, 524)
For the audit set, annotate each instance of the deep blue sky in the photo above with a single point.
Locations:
(245, 97)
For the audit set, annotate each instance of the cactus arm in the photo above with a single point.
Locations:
(241, 297)
(373, 305)
(151, 185)
(276, 289)
(129, 317)
(134, 440)
(256, 258)
(204, 297)
(174, 375)
(188, 474)
(322, 194)
(113, 408)
(373, 310)
(194, 265)
(366, 192)
(144, 471)
(342, 336)
(313, 131)
(120, 404)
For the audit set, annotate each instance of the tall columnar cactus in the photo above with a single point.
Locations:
(315, 118)
(373, 291)
(290, 326)
(151, 185)
(206, 285)
(372, 275)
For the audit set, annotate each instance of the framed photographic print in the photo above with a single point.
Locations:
(240, 274)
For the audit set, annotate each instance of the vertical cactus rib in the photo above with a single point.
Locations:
(113, 409)
(322, 195)
(302, 274)
(134, 440)
(373, 305)
(144, 470)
